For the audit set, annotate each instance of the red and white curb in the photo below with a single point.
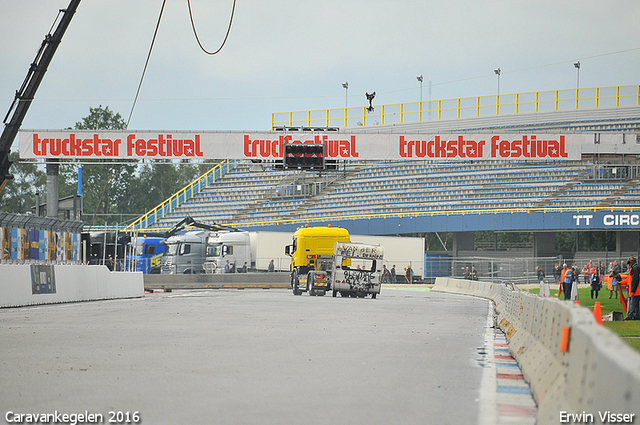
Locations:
(505, 397)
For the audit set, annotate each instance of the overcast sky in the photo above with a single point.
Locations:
(287, 55)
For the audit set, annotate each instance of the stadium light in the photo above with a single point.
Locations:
(346, 91)
(577, 65)
(420, 79)
(497, 72)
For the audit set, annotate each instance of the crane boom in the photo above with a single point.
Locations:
(190, 222)
(24, 96)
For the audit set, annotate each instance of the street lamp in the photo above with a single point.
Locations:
(577, 65)
(346, 92)
(497, 72)
(419, 78)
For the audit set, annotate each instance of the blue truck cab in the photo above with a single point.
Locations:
(146, 253)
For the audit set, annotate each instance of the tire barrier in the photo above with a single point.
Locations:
(590, 372)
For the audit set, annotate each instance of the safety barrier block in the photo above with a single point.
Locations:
(603, 373)
(597, 373)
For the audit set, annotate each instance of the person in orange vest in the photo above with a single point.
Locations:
(566, 282)
(634, 290)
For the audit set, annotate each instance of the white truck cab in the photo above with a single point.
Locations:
(231, 247)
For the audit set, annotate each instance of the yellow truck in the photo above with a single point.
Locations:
(313, 249)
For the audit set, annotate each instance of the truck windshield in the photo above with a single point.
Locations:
(138, 249)
(172, 249)
(214, 250)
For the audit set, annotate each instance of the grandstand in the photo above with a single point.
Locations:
(461, 196)
(247, 197)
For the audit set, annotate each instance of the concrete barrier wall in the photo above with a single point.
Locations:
(19, 287)
(598, 373)
(195, 281)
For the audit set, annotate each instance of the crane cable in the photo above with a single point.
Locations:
(146, 63)
(193, 25)
(233, 10)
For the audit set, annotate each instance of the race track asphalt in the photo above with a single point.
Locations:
(252, 356)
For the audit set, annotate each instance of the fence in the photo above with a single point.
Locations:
(512, 270)
(466, 107)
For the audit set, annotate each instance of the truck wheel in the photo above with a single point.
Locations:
(310, 282)
(335, 293)
(373, 296)
(295, 283)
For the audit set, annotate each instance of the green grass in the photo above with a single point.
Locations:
(628, 331)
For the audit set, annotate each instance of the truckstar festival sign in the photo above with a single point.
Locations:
(269, 145)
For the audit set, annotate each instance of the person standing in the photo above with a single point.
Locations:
(634, 290)
(615, 278)
(466, 273)
(616, 267)
(595, 283)
(409, 274)
(566, 282)
(393, 274)
(386, 276)
(574, 283)
(557, 272)
(540, 274)
(544, 288)
(585, 273)
(474, 273)
(272, 267)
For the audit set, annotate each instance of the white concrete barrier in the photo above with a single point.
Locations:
(598, 374)
(22, 285)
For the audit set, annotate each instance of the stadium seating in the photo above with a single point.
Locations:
(395, 187)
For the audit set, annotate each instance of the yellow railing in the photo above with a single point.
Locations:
(181, 196)
(434, 213)
(466, 107)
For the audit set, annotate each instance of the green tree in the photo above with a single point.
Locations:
(159, 180)
(101, 119)
(105, 186)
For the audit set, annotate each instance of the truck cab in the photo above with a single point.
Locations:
(233, 247)
(185, 254)
(145, 254)
(310, 249)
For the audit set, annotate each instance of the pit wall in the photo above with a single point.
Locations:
(22, 285)
(597, 373)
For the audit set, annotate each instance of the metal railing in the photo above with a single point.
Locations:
(300, 186)
(527, 210)
(183, 195)
(520, 270)
(465, 107)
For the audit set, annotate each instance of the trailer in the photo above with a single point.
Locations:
(399, 251)
(267, 247)
(354, 270)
